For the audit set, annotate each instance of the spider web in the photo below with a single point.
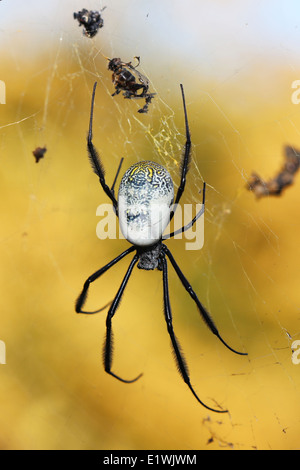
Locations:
(237, 63)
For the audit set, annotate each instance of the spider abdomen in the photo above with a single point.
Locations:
(146, 194)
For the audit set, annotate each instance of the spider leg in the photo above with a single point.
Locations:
(182, 366)
(108, 344)
(204, 313)
(116, 177)
(186, 156)
(115, 180)
(190, 224)
(83, 296)
(95, 159)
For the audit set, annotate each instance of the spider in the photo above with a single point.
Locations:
(144, 208)
(124, 79)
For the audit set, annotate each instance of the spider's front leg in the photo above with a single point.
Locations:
(95, 159)
(186, 156)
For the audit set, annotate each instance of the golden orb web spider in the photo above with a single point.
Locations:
(145, 197)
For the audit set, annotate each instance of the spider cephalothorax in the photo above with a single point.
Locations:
(145, 207)
(150, 257)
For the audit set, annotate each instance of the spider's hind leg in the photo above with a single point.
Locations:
(204, 313)
(182, 366)
(108, 344)
(81, 299)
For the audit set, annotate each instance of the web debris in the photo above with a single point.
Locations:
(125, 80)
(91, 21)
(39, 153)
(284, 179)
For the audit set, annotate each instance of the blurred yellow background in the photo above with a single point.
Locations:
(237, 65)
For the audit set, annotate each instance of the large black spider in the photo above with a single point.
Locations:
(145, 207)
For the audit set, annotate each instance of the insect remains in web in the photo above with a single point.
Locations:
(127, 79)
(284, 178)
(145, 207)
(91, 21)
(39, 153)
